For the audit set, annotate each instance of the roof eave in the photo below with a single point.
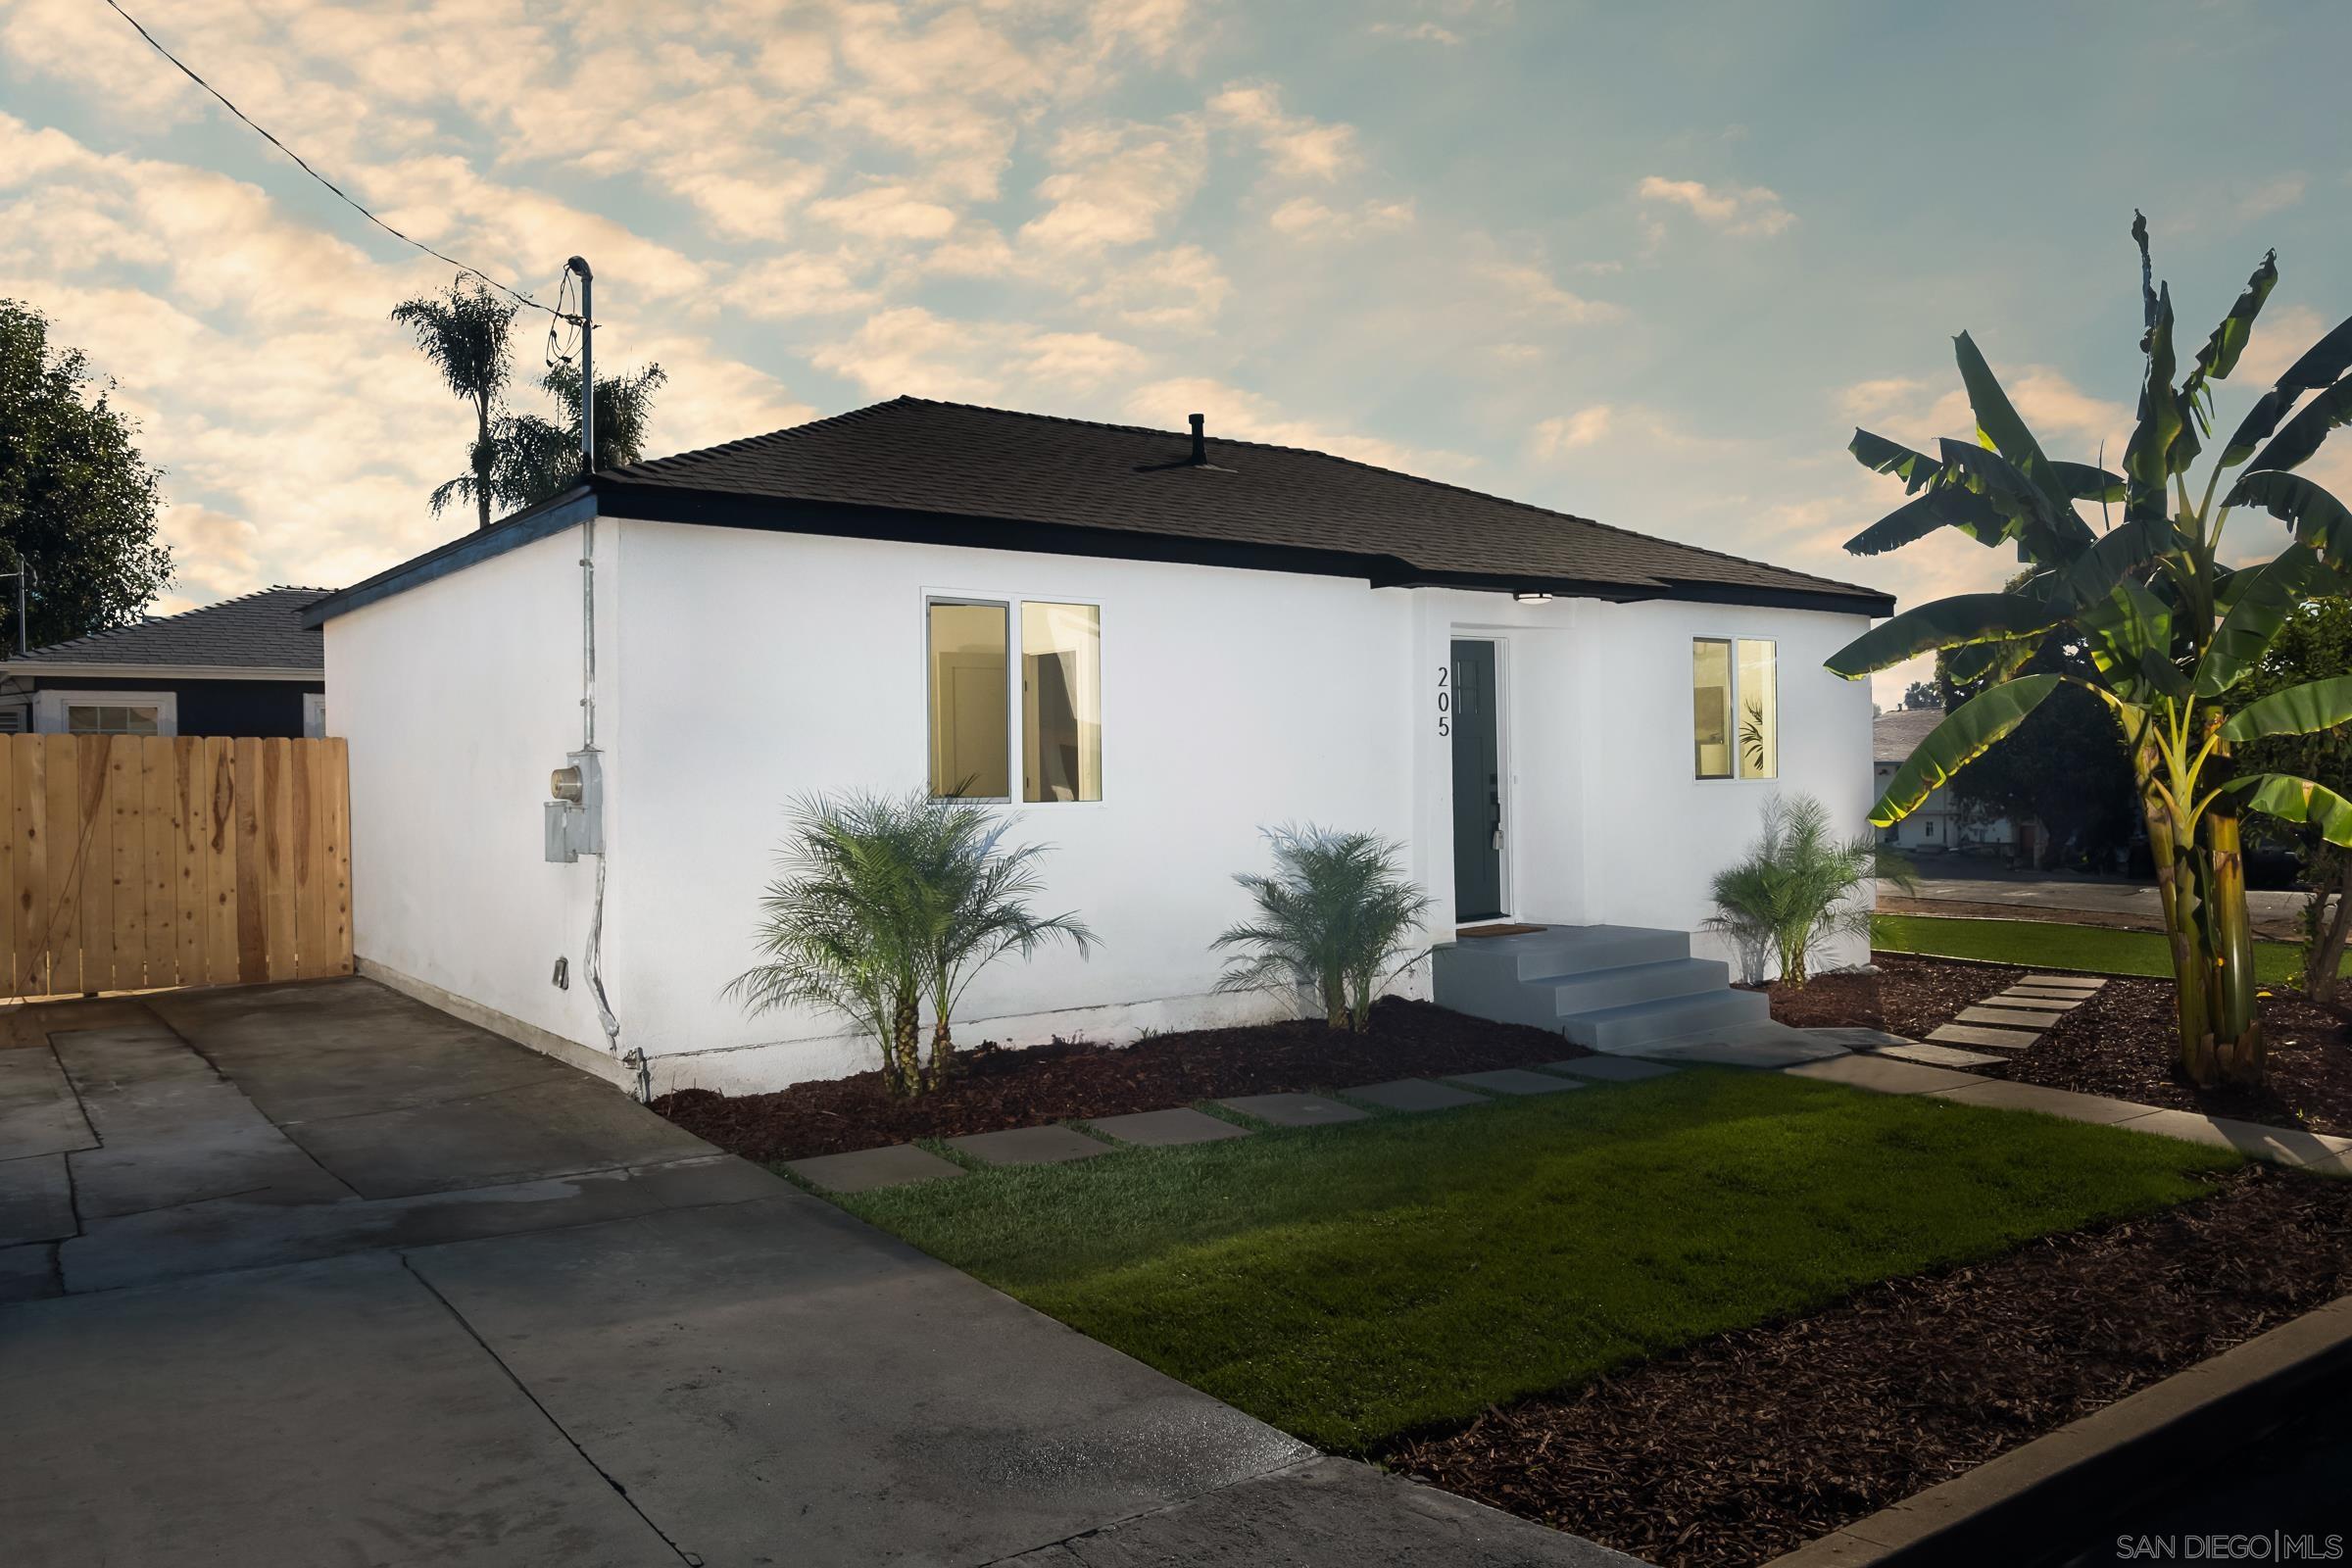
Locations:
(153, 669)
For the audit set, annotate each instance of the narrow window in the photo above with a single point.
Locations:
(971, 650)
(1759, 709)
(1062, 702)
(1711, 705)
(108, 718)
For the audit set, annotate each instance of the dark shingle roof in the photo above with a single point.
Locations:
(261, 630)
(1895, 736)
(913, 455)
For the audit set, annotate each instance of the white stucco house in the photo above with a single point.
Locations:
(1945, 824)
(1148, 645)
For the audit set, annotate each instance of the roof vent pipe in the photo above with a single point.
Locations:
(1200, 441)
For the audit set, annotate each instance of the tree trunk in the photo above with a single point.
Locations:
(483, 459)
(2237, 1023)
(2176, 890)
(906, 1073)
(2326, 934)
(943, 1053)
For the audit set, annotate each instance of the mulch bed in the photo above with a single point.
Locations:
(2119, 1044)
(1751, 1444)
(997, 1088)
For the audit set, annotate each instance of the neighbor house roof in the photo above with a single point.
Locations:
(955, 474)
(1895, 736)
(256, 636)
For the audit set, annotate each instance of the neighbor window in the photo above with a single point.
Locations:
(1062, 703)
(1735, 707)
(969, 644)
(972, 681)
(60, 713)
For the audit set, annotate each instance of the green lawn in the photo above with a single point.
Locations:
(1352, 1283)
(2044, 944)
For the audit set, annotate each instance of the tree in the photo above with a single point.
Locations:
(539, 459)
(465, 333)
(2169, 630)
(2316, 642)
(2066, 766)
(1922, 693)
(77, 502)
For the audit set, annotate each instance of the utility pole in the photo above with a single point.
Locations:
(578, 268)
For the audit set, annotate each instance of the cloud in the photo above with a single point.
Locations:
(885, 212)
(1247, 416)
(1117, 184)
(1303, 218)
(2273, 195)
(1735, 210)
(1566, 432)
(908, 350)
(1182, 287)
(1416, 32)
(1530, 290)
(1296, 145)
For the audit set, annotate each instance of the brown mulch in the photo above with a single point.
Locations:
(1751, 1444)
(997, 1088)
(2118, 1044)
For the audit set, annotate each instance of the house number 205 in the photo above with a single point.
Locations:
(1445, 701)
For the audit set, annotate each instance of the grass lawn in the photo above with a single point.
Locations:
(2044, 944)
(1350, 1284)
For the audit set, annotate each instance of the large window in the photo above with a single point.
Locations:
(973, 679)
(1735, 707)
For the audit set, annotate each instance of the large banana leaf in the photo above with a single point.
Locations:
(2121, 553)
(2319, 519)
(1944, 505)
(1954, 623)
(2303, 433)
(2299, 711)
(2147, 460)
(2088, 483)
(2264, 597)
(2129, 635)
(1979, 661)
(1998, 425)
(1879, 455)
(1962, 738)
(2050, 531)
(2323, 362)
(2219, 357)
(2297, 800)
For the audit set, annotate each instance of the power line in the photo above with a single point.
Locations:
(517, 295)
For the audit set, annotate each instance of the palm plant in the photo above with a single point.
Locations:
(464, 333)
(1331, 919)
(539, 458)
(886, 901)
(1797, 886)
(2169, 628)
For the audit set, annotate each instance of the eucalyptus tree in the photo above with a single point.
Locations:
(2171, 628)
(465, 333)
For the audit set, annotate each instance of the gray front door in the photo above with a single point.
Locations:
(1477, 785)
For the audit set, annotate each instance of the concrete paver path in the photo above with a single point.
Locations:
(358, 1284)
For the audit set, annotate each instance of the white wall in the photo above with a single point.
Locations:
(457, 698)
(760, 667)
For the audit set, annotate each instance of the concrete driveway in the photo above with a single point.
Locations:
(313, 1275)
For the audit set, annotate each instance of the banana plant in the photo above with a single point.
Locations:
(2169, 628)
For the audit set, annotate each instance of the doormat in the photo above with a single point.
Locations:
(1469, 931)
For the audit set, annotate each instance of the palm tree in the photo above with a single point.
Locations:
(887, 902)
(465, 334)
(2169, 629)
(1797, 886)
(539, 458)
(1331, 919)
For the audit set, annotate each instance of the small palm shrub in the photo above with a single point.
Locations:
(1336, 919)
(886, 902)
(1796, 887)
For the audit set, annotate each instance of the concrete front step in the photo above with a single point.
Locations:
(1629, 1030)
(1557, 952)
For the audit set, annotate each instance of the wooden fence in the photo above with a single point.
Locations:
(142, 861)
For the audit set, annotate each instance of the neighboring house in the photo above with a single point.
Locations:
(247, 665)
(1148, 645)
(1945, 822)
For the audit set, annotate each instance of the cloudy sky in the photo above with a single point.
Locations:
(1649, 265)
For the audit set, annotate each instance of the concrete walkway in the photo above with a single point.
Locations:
(311, 1274)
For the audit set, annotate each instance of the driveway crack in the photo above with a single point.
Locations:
(523, 1389)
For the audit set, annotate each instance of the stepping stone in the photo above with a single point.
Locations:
(1961, 1034)
(1413, 1094)
(1785, 1052)
(1858, 1039)
(1886, 1077)
(1294, 1110)
(1160, 1129)
(2006, 1017)
(1029, 1146)
(2031, 1001)
(2064, 982)
(869, 1168)
(1920, 1050)
(2007, 1095)
(1609, 1069)
(1516, 1081)
(36, 1199)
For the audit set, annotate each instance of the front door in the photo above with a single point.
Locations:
(1477, 784)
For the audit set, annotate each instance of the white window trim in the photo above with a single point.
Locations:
(313, 716)
(49, 707)
(1732, 640)
(1012, 604)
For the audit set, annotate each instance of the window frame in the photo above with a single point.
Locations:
(49, 707)
(1011, 603)
(1731, 641)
